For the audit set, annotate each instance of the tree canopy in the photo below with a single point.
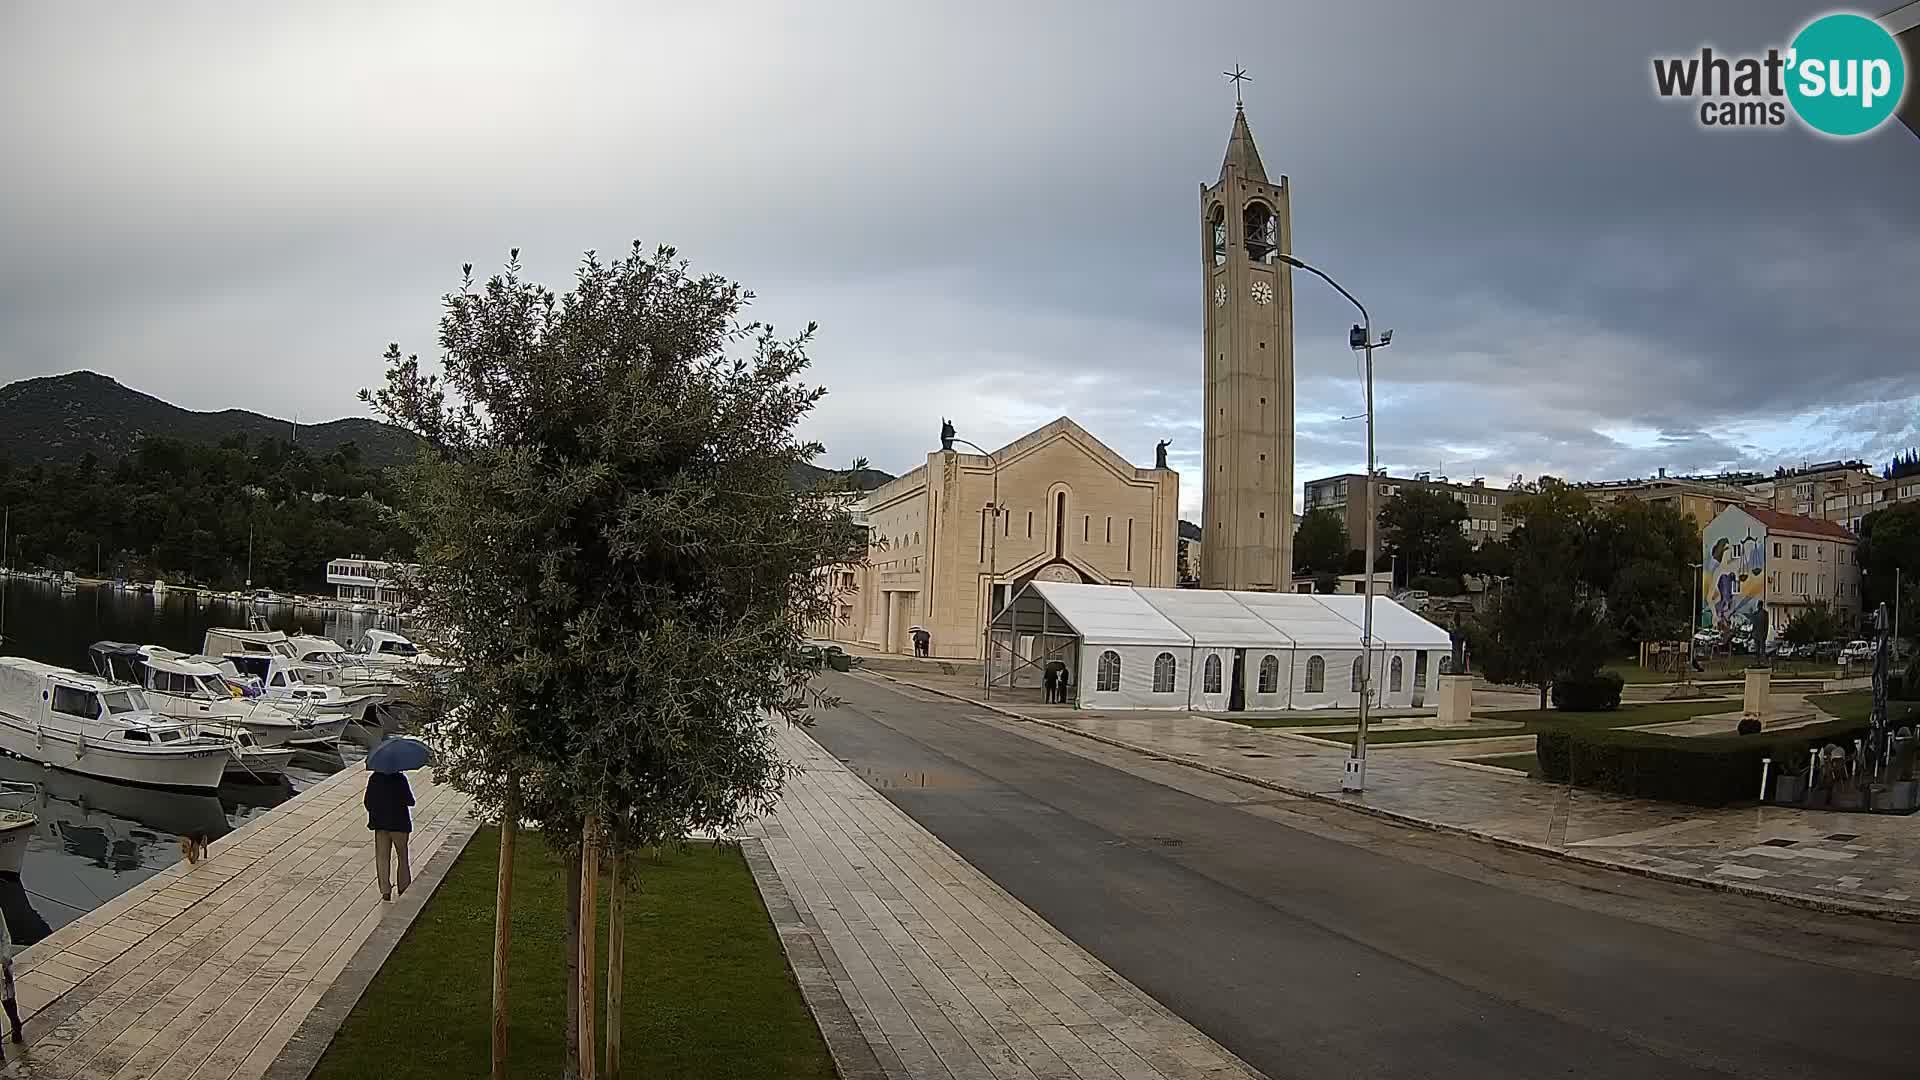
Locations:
(1320, 543)
(1890, 551)
(182, 511)
(613, 556)
(1423, 528)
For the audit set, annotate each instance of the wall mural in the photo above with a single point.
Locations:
(1734, 577)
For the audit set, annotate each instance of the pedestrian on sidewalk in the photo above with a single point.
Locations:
(1050, 679)
(388, 796)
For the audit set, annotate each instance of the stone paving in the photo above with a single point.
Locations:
(1867, 863)
(206, 972)
(944, 973)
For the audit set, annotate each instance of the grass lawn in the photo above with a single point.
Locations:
(1302, 720)
(1857, 705)
(1724, 668)
(707, 993)
(1535, 721)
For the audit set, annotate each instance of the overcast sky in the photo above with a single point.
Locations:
(991, 210)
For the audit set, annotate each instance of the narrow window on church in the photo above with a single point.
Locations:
(1129, 543)
(1086, 527)
(1029, 524)
(1109, 529)
(1262, 237)
(1060, 525)
(1217, 223)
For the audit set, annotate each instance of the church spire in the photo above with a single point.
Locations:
(1241, 153)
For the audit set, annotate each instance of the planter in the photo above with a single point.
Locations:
(1851, 799)
(1818, 798)
(1789, 789)
(1903, 795)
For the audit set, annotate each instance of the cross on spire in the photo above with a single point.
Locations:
(1237, 76)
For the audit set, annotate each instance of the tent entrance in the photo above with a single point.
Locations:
(1237, 691)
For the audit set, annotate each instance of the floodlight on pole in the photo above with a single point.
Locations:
(1361, 339)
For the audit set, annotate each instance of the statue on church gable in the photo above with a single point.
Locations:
(946, 435)
(1160, 453)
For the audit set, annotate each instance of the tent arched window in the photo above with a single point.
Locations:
(1163, 672)
(1210, 676)
(1107, 677)
(1359, 672)
(1270, 674)
(1316, 675)
(1395, 675)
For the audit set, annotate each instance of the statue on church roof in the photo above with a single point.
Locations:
(946, 434)
(1160, 453)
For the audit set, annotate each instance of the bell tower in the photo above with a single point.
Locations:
(1247, 515)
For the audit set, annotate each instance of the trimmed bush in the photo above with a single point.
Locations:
(1749, 725)
(1711, 770)
(1598, 692)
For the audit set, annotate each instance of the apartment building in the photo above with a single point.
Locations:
(1701, 498)
(1346, 495)
(1756, 561)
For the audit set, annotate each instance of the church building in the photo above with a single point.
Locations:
(967, 529)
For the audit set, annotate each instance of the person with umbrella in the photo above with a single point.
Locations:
(388, 797)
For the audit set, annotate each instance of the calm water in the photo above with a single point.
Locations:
(96, 838)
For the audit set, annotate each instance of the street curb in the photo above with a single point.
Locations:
(1814, 903)
(806, 947)
(309, 1042)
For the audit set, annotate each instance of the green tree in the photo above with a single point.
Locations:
(1816, 623)
(613, 555)
(1422, 527)
(1889, 552)
(1545, 622)
(1320, 543)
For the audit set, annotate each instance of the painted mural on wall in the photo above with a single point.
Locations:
(1734, 573)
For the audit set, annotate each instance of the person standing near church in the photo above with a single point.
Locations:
(1050, 679)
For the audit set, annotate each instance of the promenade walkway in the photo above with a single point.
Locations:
(206, 972)
(945, 974)
(1866, 863)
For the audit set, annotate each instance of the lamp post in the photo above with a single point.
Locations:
(1360, 338)
(993, 566)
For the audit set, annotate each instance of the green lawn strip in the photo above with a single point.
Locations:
(1857, 706)
(1301, 720)
(1534, 721)
(1723, 670)
(1521, 763)
(707, 992)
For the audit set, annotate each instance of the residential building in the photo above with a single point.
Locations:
(1701, 498)
(1187, 561)
(369, 580)
(1070, 509)
(1762, 566)
(1345, 495)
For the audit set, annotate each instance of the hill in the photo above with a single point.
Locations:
(807, 476)
(60, 419)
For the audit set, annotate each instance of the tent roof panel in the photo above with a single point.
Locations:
(1130, 615)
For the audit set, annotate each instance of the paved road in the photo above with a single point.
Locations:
(1316, 946)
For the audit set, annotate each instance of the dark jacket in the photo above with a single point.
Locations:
(388, 797)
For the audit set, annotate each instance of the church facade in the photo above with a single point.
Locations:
(1247, 293)
(964, 531)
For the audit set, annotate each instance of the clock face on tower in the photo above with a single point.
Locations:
(1220, 295)
(1262, 292)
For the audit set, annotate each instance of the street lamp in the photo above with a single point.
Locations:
(1360, 338)
(993, 566)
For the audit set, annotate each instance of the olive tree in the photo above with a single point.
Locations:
(615, 563)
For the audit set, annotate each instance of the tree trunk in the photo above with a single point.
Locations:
(503, 933)
(570, 1069)
(589, 930)
(616, 960)
(1543, 695)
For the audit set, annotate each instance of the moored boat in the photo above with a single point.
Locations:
(196, 691)
(88, 725)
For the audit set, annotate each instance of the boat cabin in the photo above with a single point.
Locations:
(221, 642)
(44, 695)
(386, 643)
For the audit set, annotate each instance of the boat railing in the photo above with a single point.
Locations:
(19, 795)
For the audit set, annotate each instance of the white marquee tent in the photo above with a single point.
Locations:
(1211, 650)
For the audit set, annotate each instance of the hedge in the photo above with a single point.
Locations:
(1711, 770)
(1598, 692)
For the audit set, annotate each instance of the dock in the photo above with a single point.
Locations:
(206, 972)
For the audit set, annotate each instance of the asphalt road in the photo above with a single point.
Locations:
(1317, 946)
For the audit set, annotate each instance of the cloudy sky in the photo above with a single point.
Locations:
(991, 209)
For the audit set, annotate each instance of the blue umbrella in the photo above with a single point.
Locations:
(398, 754)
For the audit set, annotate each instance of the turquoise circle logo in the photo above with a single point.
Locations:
(1847, 74)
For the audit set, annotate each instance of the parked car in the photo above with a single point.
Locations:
(1827, 650)
(1857, 652)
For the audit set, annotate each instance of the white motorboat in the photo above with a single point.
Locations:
(247, 759)
(294, 686)
(392, 650)
(17, 821)
(196, 691)
(332, 665)
(94, 727)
